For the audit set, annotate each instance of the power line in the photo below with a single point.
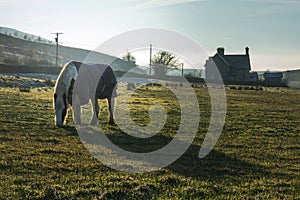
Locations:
(150, 57)
(56, 40)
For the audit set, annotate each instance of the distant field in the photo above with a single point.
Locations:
(257, 155)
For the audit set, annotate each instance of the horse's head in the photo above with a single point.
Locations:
(60, 107)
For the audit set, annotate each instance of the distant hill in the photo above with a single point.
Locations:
(24, 36)
(20, 52)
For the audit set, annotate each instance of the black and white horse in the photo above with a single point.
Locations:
(77, 84)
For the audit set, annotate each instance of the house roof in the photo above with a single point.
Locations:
(223, 59)
(235, 61)
(238, 61)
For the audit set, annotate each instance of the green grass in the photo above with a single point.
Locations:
(256, 157)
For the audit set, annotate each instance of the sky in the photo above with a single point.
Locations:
(270, 28)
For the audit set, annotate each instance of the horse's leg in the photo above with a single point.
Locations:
(76, 114)
(111, 107)
(96, 109)
(76, 111)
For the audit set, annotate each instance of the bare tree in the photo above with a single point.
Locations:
(129, 57)
(164, 61)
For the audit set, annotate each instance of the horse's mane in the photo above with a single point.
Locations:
(64, 79)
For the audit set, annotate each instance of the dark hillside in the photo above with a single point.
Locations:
(18, 52)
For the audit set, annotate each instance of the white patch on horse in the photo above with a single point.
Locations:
(61, 89)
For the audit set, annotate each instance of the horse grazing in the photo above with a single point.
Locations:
(77, 84)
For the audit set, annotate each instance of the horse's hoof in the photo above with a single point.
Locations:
(112, 123)
(93, 123)
(77, 122)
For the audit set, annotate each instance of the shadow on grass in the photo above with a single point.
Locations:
(71, 130)
(215, 166)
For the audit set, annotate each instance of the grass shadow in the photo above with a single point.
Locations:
(70, 129)
(215, 166)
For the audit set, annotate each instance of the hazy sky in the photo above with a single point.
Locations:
(271, 28)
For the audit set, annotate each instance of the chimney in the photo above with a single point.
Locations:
(221, 51)
(247, 50)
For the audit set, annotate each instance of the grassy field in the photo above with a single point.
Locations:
(256, 157)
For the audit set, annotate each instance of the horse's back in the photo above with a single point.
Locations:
(98, 78)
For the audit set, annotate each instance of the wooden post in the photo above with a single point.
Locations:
(56, 40)
(150, 57)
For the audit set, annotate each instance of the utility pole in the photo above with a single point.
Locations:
(150, 57)
(56, 40)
